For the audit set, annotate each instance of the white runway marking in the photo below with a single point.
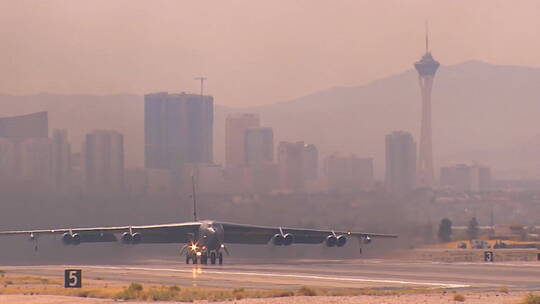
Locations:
(281, 275)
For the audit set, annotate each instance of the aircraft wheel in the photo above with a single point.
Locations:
(220, 258)
(187, 258)
(204, 259)
(213, 258)
(195, 259)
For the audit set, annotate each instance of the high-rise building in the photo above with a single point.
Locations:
(235, 137)
(260, 159)
(7, 159)
(400, 174)
(465, 178)
(297, 163)
(36, 162)
(61, 160)
(349, 173)
(310, 162)
(259, 146)
(178, 129)
(290, 164)
(103, 154)
(33, 125)
(26, 152)
(426, 67)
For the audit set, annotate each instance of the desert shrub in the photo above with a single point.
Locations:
(531, 299)
(459, 298)
(306, 291)
(162, 294)
(283, 293)
(503, 289)
(239, 293)
(132, 292)
(136, 287)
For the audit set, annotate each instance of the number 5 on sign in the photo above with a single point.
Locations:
(73, 278)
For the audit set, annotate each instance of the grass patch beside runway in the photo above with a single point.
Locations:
(99, 288)
(531, 299)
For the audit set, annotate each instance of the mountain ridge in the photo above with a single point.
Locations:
(477, 106)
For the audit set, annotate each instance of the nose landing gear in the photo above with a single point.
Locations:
(215, 257)
(193, 258)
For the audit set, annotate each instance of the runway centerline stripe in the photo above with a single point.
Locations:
(281, 275)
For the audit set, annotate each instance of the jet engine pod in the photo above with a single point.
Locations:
(127, 238)
(66, 238)
(366, 240)
(288, 239)
(136, 238)
(341, 241)
(75, 239)
(278, 239)
(331, 241)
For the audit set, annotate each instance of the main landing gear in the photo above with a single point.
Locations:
(203, 258)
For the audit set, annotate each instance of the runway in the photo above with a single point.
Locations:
(253, 273)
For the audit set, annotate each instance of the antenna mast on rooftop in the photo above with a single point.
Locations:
(202, 79)
(427, 37)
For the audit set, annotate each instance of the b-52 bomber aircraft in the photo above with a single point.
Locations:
(205, 241)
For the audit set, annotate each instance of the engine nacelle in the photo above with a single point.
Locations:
(136, 238)
(71, 239)
(75, 239)
(341, 241)
(331, 241)
(278, 239)
(288, 239)
(127, 238)
(66, 238)
(366, 240)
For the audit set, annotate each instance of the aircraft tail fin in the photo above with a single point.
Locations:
(194, 196)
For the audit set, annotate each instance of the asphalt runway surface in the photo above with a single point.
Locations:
(264, 273)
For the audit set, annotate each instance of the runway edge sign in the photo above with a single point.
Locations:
(488, 256)
(72, 278)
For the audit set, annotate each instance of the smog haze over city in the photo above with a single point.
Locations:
(393, 117)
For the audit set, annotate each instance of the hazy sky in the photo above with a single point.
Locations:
(253, 52)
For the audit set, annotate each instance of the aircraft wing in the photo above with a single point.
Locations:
(251, 234)
(168, 233)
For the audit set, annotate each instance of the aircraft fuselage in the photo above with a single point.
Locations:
(210, 237)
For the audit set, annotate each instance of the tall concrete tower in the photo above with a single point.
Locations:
(426, 67)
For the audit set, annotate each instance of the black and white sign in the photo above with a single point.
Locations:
(488, 256)
(73, 278)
